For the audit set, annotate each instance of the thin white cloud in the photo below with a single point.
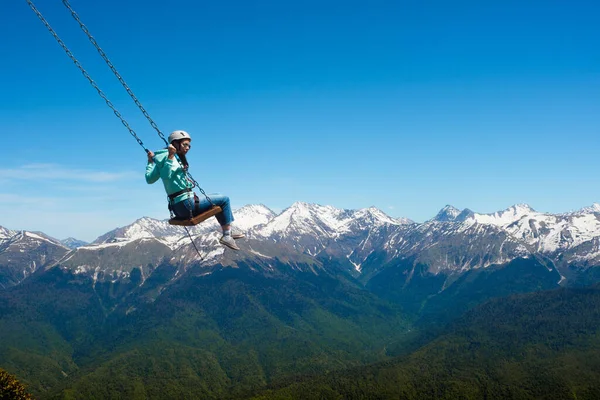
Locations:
(55, 172)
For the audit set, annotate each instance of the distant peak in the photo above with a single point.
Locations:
(446, 214)
(521, 207)
(379, 215)
(464, 214)
(300, 205)
(73, 243)
(505, 217)
(259, 208)
(449, 207)
(146, 220)
(594, 208)
(5, 233)
(372, 210)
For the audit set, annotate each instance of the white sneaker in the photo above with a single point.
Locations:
(229, 242)
(238, 235)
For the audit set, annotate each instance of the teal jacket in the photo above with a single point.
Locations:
(172, 174)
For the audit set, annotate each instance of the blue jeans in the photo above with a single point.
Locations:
(182, 209)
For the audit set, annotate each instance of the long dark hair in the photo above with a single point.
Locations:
(180, 154)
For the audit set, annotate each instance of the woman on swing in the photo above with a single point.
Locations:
(182, 200)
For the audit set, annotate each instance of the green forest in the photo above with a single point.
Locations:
(537, 346)
(238, 334)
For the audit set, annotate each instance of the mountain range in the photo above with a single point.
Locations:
(313, 289)
(400, 260)
(361, 241)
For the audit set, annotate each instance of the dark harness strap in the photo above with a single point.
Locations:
(173, 195)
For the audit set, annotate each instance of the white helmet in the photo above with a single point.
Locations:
(178, 135)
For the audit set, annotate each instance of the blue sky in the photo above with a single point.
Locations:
(403, 105)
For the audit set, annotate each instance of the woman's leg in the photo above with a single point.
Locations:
(225, 217)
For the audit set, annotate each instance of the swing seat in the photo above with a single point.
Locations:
(197, 219)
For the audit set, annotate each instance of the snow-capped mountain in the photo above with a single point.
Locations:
(246, 218)
(301, 230)
(448, 213)
(143, 228)
(474, 240)
(502, 218)
(594, 208)
(544, 233)
(454, 246)
(251, 216)
(115, 261)
(73, 243)
(360, 241)
(6, 234)
(22, 253)
(303, 220)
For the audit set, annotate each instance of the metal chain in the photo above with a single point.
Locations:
(84, 72)
(128, 89)
(114, 70)
(106, 100)
(194, 244)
